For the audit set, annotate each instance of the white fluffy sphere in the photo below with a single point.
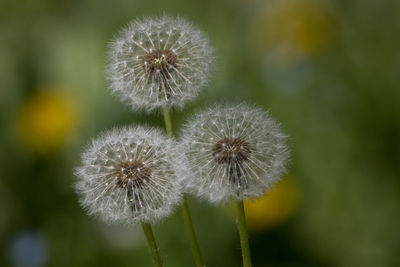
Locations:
(129, 175)
(157, 62)
(234, 150)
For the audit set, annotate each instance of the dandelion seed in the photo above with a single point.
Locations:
(234, 151)
(129, 176)
(159, 62)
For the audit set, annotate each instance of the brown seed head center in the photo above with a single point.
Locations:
(163, 61)
(133, 173)
(229, 150)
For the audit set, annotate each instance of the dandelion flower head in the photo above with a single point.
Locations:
(158, 62)
(128, 175)
(235, 150)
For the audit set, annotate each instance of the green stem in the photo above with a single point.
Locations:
(191, 234)
(152, 244)
(244, 239)
(168, 122)
(185, 208)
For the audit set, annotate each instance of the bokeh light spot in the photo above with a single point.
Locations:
(46, 120)
(28, 249)
(274, 208)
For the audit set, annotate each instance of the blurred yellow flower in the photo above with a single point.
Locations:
(46, 120)
(274, 208)
(293, 29)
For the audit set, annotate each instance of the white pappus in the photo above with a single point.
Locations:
(232, 151)
(159, 62)
(129, 175)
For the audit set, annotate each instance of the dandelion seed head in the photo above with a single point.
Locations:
(236, 151)
(159, 62)
(129, 175)
(230, 148)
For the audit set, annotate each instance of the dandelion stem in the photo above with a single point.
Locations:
(244, 239)
(185, 208)
(191, 234)
(152, 244)
(168, 121)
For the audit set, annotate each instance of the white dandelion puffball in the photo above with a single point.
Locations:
(232, 151)
(157, 62)
(129, 175)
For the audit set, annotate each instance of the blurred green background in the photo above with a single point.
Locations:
(327, 70)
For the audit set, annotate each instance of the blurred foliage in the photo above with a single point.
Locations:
(328, 70)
